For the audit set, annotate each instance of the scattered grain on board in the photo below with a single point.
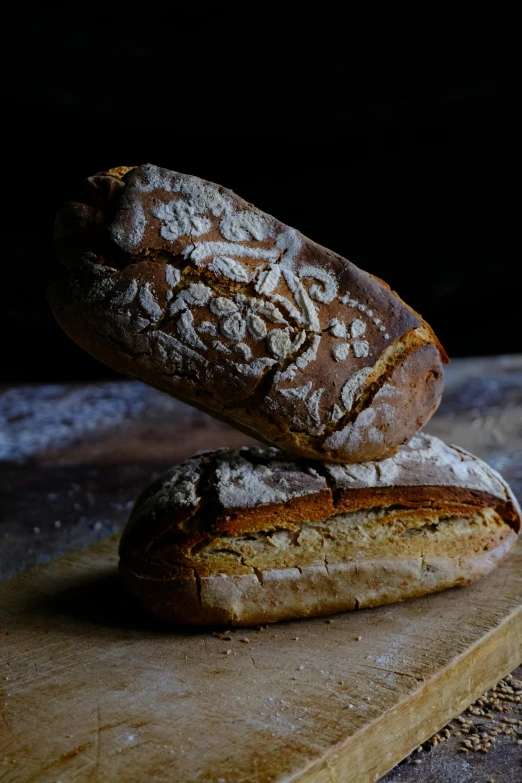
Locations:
(484, 721)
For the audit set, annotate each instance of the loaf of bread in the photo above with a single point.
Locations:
(182, 284)
(245, 537)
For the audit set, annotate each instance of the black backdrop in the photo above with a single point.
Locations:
(387, 135)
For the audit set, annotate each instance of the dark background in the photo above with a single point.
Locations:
(387, 134)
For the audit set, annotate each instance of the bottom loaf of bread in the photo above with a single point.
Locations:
(251, 536)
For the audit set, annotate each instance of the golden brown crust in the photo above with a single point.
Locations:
(119, 172)
(444, 356)
(232, 522)
(182, 284)
(454, 500)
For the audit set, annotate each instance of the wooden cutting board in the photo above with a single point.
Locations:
(93, 690)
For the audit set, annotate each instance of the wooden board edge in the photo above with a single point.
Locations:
(371, 752)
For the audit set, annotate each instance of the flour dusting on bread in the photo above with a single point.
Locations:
(173, 244)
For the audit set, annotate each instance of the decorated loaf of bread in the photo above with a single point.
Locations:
(184, 285)
(249, 536)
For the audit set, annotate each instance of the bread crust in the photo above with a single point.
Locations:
(249, 536)
(310, 591)
(182, 284)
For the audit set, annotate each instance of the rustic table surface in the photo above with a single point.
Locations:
(74, 457)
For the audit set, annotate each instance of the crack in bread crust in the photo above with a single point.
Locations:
(355, 535)
(307, 591)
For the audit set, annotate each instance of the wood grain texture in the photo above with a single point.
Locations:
(97, 691)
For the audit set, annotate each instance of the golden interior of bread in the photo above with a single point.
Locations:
(365, 534)
(349, 561)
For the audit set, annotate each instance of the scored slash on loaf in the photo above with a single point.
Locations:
(180, 283)
(249, 536)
